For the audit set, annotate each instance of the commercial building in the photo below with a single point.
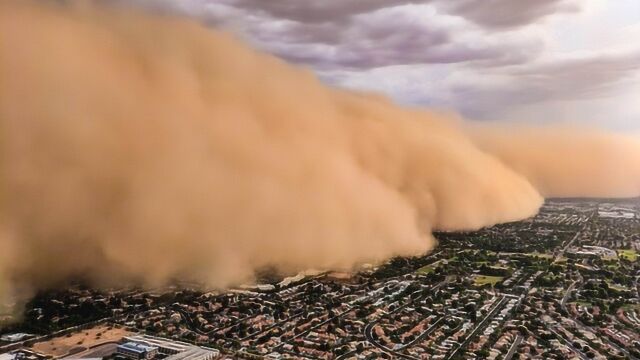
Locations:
(173, 350)
(137, 351)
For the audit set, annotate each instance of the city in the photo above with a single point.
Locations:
(561, 285)
(320, 180)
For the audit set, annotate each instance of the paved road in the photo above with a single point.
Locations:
(606, 339)
(588, 328)
(368, 329)
(567, 294)
(569, 345)
(514, 347)
(478, 327)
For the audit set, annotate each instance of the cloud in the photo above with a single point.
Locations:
(359, 34)
(576, 78)
(489, 59)
(549, 89)
(490, 13)
(386, 37)
(318, 11)
(149, 148)
(508, 13)
(584, 76)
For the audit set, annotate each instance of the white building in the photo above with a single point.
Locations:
(176, 350)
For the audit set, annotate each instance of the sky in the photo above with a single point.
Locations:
(517, 60)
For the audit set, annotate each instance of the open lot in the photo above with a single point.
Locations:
(80, 341)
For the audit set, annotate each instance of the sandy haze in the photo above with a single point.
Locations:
(141, 148)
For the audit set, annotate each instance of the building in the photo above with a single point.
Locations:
(196, 353)
(15, 337)
(174, 350)
(137, 351)
(23, 354)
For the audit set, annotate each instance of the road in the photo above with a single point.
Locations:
(605, 339)
(567, 294)
(568, 343)
(478, 327)
(514, 347)
(368, 329)
(368, 333)
(588, 328)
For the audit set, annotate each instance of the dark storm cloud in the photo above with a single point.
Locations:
(491, 55)
(507, 13)
(356, 34)
(491, 13)
(318, 11)
(400, 35)
(383, 38)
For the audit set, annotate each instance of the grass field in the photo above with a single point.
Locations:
(426, 269)
(429, 268)
(480, 280)
(541, 255)
(617, 287)
(630, 255)
(561, 260)
(582, 303)
(614, 266)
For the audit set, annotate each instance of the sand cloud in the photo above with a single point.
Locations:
(145, 148)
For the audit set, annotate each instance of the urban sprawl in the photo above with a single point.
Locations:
(561, 285)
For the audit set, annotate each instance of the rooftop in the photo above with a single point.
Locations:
(137, 347)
